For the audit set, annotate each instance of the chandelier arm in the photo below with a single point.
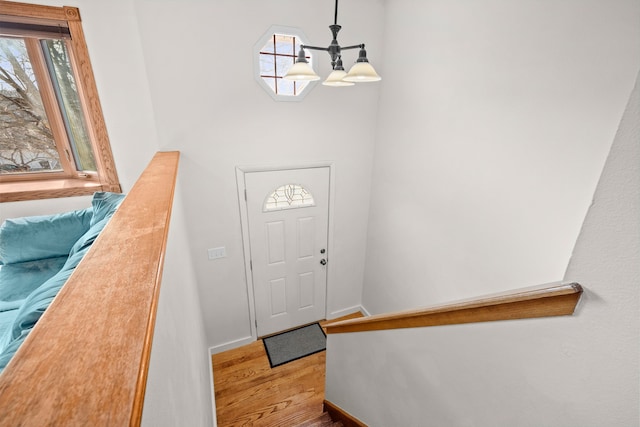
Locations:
(304, 46)
(355, 46)
(326, 49)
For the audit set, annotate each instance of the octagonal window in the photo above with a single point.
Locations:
(276, 52)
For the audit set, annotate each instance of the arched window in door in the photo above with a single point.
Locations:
(288, 196)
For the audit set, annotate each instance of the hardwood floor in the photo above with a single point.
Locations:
(249, 393)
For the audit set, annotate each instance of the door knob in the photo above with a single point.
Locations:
(323, 261)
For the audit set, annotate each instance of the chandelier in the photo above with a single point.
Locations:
(361, 71)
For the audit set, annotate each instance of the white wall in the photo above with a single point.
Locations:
(606, 260)
(492, 131)
(570, 371)
(179, 390)
(199, 57)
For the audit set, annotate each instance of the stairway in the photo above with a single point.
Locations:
(322, 420)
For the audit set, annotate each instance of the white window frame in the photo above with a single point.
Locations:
(279, 29)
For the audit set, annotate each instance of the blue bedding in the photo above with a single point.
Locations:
(40, 237)
(17, 281)
(28, 285)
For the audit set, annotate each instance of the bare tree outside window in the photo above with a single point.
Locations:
(26, 140)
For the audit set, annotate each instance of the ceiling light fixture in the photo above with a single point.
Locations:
(361, 71)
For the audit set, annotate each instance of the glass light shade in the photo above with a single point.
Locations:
(301, 71)
(362, 72)
(335, 79)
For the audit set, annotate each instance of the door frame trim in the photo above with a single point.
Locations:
(244, 224)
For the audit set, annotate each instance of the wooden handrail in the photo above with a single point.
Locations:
(85, 363)
(539, 301)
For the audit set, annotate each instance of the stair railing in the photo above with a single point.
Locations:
(559, 299)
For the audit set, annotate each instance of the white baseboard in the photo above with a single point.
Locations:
(230, 345)
(347, 311)
(213, 391)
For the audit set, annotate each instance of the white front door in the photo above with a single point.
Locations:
(287, 211)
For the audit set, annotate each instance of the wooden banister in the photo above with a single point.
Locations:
(85, 363)
(539, 301)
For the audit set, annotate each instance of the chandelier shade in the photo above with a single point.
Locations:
(361, 71)
(301, 70)
(336, 78)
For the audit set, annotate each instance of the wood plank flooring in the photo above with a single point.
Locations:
(249, 393)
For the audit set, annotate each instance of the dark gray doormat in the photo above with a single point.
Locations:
(295, 344)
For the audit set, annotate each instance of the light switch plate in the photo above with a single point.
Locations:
(215, 253)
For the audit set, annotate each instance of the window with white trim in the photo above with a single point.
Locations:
(276, 52)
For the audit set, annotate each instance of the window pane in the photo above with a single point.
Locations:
(285, 45)
(289, 196)
(66, 90)
(267, 66)
(283, 63)
(286, 87)
(268, 47)
(26, 140)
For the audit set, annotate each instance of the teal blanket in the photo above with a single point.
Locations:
(29, 284)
